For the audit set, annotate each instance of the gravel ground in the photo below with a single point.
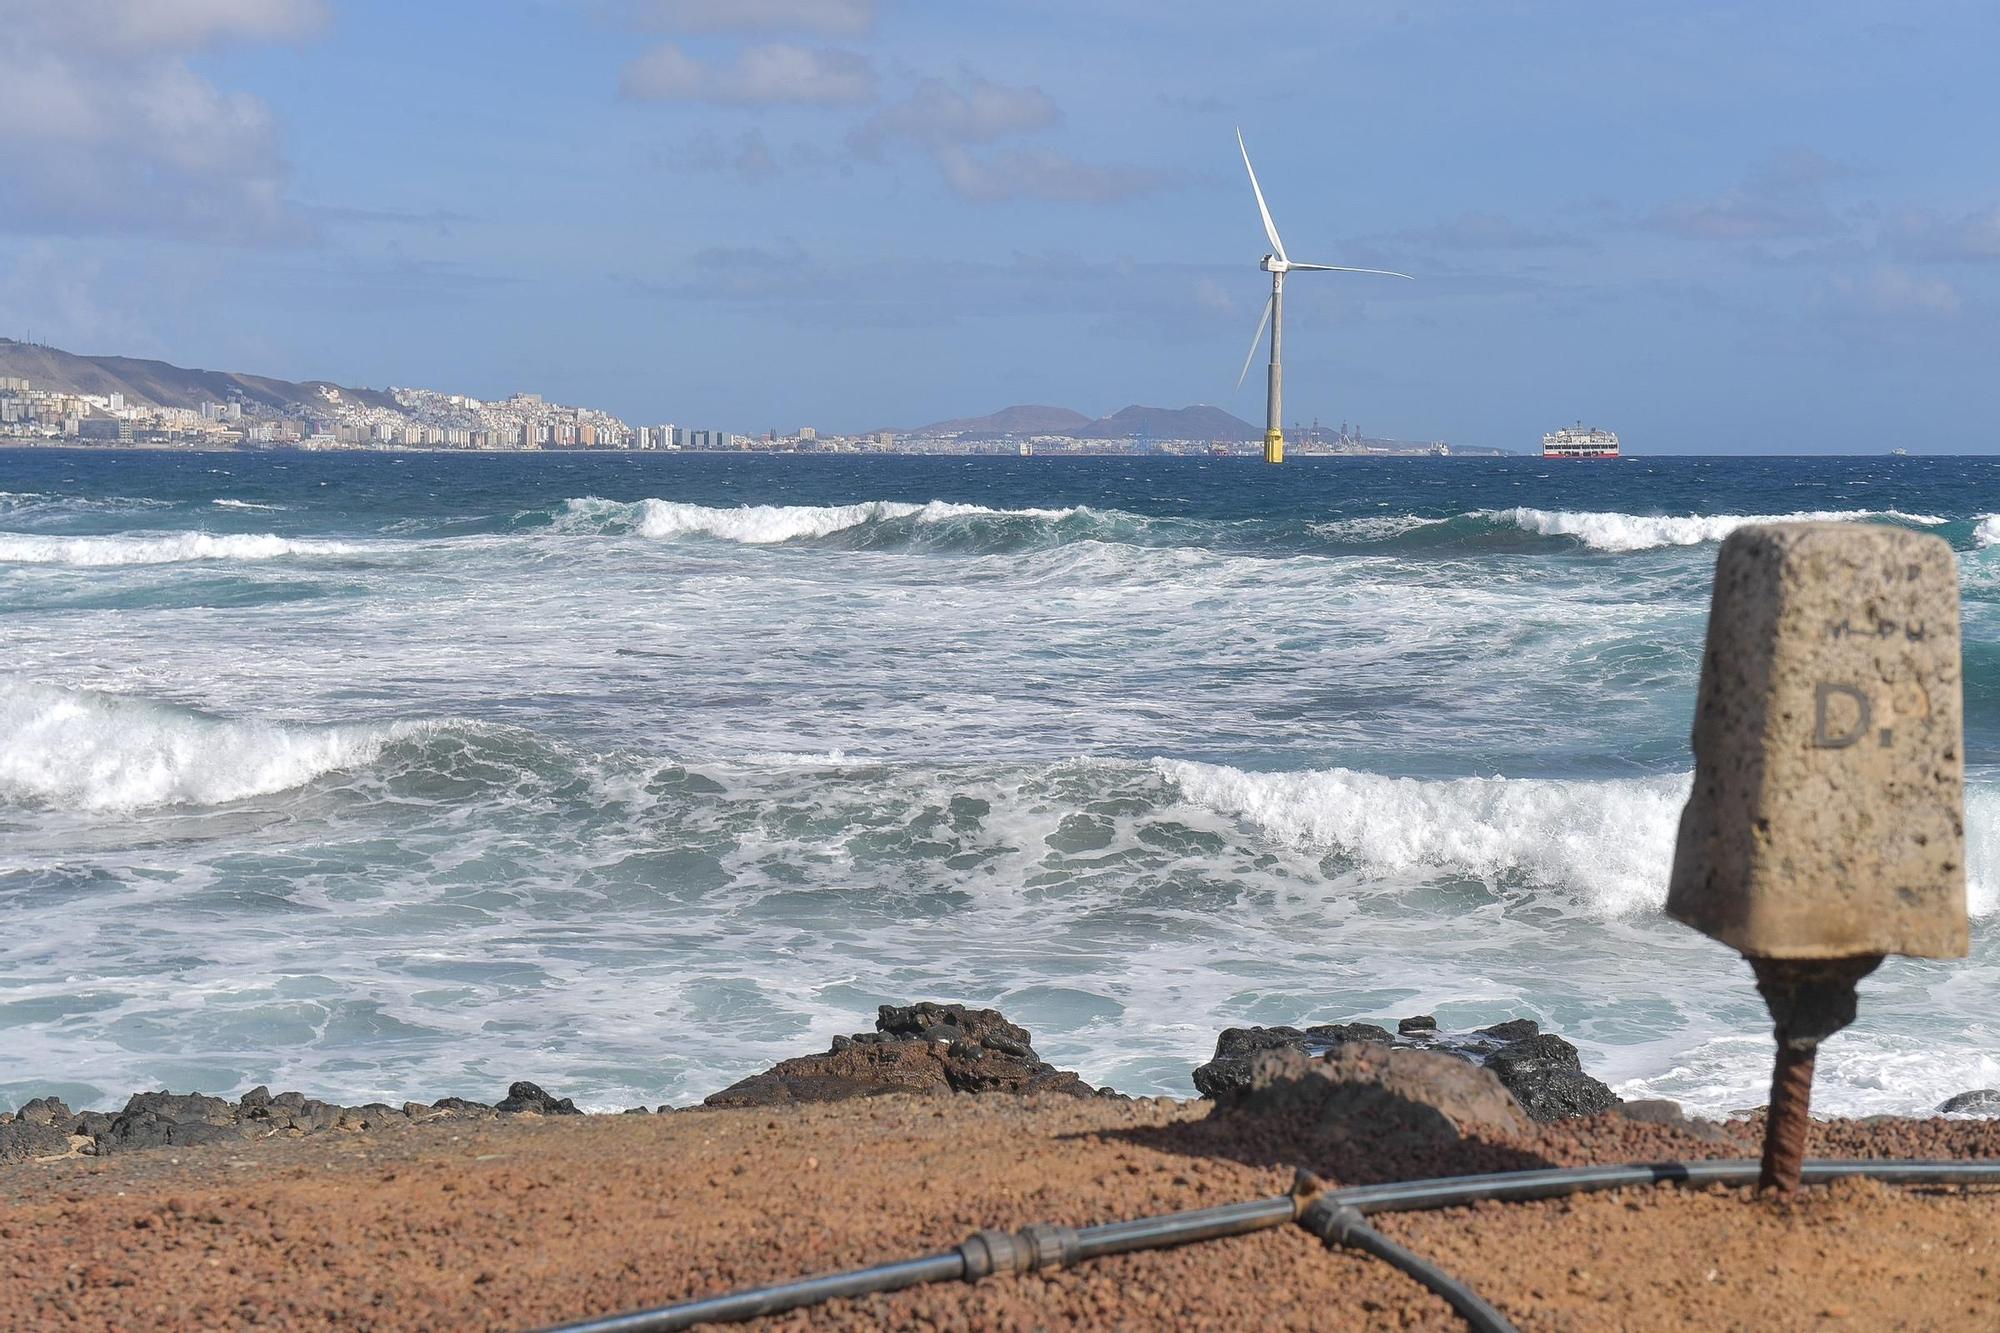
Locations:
(528, 1221)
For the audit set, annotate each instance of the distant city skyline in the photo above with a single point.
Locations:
(1709, 229)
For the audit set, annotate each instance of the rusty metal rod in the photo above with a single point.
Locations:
(1789, 1116)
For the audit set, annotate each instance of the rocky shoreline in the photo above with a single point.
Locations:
(1499, 1077)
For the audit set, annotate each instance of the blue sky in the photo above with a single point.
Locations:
(1715, 228)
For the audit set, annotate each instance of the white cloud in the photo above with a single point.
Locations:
(1782, 197)
(1893, 290)
(844, 17)
(138, 27)
(946, 118)
(761, 75)
(1041, 173)
(1487, 231)
(55, 294)
(1927, 235)
(108, 128)
(976, 111)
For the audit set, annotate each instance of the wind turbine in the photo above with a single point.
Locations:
(1278, 265)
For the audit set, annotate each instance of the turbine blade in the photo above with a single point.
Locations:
(1342, 268)
(1255, 343)
(1270, 227)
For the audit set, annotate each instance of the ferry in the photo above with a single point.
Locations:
(1580, 442)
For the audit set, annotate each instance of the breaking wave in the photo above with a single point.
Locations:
(1642, 532)
(940, 524)
(94, 751)
(1610, 841)
(157, 548)
(884, 522)
(1987, 533)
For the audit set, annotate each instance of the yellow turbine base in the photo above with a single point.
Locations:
(1274, 446)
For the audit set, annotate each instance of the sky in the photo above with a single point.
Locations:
(1714, 228)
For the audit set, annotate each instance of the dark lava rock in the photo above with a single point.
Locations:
(307, 1114)
(1228, 1072)
(458, 1104)
(1373, 1093)
(526, 1097)
(162, 1119)
(1541, 1070)
(23, 1139)
(256, 1097)
(47, 1111)
(1335, 1033)
(374, 1115)
(1980, 1101)
(1660, 1111)
(93, 1123)
(916, 1048)
(1546, 1075)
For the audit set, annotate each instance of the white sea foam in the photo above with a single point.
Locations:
(1642, 532)
(158, 548)
(1373, 527)
(88, 750)
(1988, 531)
(759, 525)
(243, 504)
(1610, 841)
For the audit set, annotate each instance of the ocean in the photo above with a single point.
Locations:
(403, 775)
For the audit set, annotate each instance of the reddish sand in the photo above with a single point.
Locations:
(527, 1222)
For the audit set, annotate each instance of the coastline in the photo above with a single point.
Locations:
(527, 1220)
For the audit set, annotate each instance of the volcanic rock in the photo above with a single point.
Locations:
(458, 1104)
(22, 1139)
(1228, 1073)
(1546, 1074)
(916, 1048)
(47, 1111)
(1660, 1111)
(1378, 1094)
(526, 1097)
(1980, 1101)
(1543, 1071)
(160, 1119)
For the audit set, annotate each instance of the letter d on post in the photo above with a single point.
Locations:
(1824, 735)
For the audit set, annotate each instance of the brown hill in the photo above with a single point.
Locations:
(1022, 419)
(163, 385)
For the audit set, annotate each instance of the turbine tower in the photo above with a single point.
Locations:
(1278, 265)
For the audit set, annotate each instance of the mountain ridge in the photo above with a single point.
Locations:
(163, 384)
(1200, 421)
(146, 382)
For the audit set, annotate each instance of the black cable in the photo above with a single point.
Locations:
(1347, 1227)
(946, 1267)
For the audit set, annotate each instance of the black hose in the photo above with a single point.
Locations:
(1480, 1316)
(1152, 1233)
(1514, 1186)
(1338, 1217)
(946, 1267)
(989, 1252)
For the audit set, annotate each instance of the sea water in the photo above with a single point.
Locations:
(405, 775)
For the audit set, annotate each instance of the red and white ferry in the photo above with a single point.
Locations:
(1580, 441)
